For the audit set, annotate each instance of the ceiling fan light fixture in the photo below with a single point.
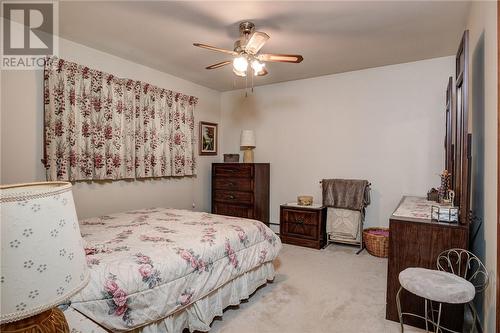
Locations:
(256, 42)
(262, 72)
(240, 64)
(246, 57)
(257, 66)
(239, 73)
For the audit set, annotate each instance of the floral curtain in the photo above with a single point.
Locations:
(98, 126)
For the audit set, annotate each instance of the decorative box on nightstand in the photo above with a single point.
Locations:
(303, 225)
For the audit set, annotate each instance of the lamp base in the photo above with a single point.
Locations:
(50, 321)
(248, 155)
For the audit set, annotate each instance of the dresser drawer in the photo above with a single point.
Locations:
(233, 170)
(234, 184)
(234, 196)
(223, 208)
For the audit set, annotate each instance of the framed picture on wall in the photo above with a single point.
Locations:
(208, 138)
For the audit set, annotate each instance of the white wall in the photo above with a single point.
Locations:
(482, 25)
(21, 138)
(383, 124)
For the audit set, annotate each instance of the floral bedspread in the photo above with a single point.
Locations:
(148, 264)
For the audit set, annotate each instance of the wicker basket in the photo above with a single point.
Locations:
(377, 245)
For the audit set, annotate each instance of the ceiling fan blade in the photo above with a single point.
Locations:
(219, 64)
(295, 58)
(213, 48)
(262, 72)
(256, 42)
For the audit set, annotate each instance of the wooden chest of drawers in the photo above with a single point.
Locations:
(304, 226)
(241, 189)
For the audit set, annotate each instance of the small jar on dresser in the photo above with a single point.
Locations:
(303, 225)
(241, 190)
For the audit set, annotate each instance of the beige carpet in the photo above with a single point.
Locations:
(330, 290)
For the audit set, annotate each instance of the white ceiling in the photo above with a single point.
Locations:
(333, 37)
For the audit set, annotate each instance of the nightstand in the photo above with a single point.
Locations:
(303, 225)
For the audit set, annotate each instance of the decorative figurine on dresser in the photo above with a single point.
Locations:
(241, 190)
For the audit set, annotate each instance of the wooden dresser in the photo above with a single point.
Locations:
(241, 189)
(303, 225)
(417, 242)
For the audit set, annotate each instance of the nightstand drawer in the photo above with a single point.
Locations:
(235, 184)
(229, 170)
(300, 223)
(234, 196)
(304, 226)
(309, 218)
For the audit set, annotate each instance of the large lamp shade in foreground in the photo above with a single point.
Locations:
(42, 261)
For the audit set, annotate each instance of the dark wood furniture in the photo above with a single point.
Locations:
(461, 174)
(448, 138)
(303, 225)
(241, 189)
(417, 243)
(458, 140)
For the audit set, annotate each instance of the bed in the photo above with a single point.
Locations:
(164, 270)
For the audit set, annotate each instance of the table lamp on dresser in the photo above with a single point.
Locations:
(247, 143)
(43, 259)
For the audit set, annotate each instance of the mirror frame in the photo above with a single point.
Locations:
(462, 137)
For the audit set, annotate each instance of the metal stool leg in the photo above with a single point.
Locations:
(474, 316)
(398, 303)
(426, 318)
(432, 313)
(439, 318)
(436, 326)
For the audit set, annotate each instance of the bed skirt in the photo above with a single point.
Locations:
(196, 316)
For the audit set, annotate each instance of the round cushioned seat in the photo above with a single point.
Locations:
(437, 286)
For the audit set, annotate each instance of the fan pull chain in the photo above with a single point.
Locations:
(246, 86)
(253, 73)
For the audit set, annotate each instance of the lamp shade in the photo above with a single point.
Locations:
(247, 139)
(43, 260)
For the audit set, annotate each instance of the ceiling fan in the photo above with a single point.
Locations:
(246, 56)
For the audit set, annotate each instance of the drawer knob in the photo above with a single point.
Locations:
(300, 221)
(231, 197)
(231, 184)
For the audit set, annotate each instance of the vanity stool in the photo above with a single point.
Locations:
(459, 277)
